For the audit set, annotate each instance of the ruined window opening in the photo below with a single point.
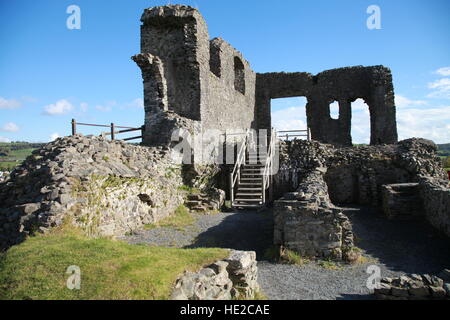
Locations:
(334, 110)
(289, 114)
(215, 63)
(360, 126)
(239, 75)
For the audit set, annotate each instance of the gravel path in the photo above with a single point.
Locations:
(397, 247)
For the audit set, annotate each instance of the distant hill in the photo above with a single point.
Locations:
(13, 153)
(444, 149)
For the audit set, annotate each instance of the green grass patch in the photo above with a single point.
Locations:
(189, 189)
(292, 257)
(36, 269)
(328, 264)
(8, 165)
(179, 220)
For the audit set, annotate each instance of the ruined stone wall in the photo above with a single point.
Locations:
(308, 223)
(435, 195)
(190, 76)
(345, 85)
(107, 188)
(319, 176)
(357, 174)
(228, 108)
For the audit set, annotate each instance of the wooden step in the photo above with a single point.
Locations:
(252, 179)
(244, 194)
(249, 189)
(241, 205)
(247, 200)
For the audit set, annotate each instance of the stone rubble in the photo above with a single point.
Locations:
(233, 277)
(107, 187)
(415, 287)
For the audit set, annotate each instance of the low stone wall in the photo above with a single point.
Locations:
(306, 222)
(234, 277)
(435, 194)
(402, 201)
(415, 287)
(357, 174)
(106, 187)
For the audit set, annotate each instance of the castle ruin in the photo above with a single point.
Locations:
(208, 81)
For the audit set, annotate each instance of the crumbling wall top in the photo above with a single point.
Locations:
(179, 12)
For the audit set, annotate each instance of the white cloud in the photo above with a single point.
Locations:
(10, 127)
(59, 108)
(54, 136)
(445, 71)
(403, 102)
(293, 118)
(430, 123)
(136, 103)
(103, 108)
(9, 103)
(84, 107)
(414, 119)
(3, 139)
(441, 88)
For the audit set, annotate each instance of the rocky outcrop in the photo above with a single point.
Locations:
(415, 287)
(105, 187)
(234, 277)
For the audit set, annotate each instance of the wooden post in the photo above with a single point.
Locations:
(309, 134)
(74, 127)
(112, 131)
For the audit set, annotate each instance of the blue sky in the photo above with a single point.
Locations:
(50, 74)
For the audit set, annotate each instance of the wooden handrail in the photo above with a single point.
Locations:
(240, 159)
(287, 134)
(112, 131)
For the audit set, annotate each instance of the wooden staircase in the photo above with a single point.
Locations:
(250, 184)
(250, 177)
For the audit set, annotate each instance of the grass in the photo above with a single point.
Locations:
(328, 264)
(179, 220)
(36, 269)
(292, 257)
(189, 189)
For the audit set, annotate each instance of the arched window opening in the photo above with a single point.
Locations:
(334, 110)
(360, 129)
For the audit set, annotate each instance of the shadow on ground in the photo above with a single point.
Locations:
(405, 246)
(245, 230)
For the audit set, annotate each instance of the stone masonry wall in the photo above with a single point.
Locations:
(322, 175)
(306, 221)
(344, 85)
(106, 188)
(435, 195)
(188, 75)
(357, 174)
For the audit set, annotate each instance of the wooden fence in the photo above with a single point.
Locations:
(294, 134)
(112, 129)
